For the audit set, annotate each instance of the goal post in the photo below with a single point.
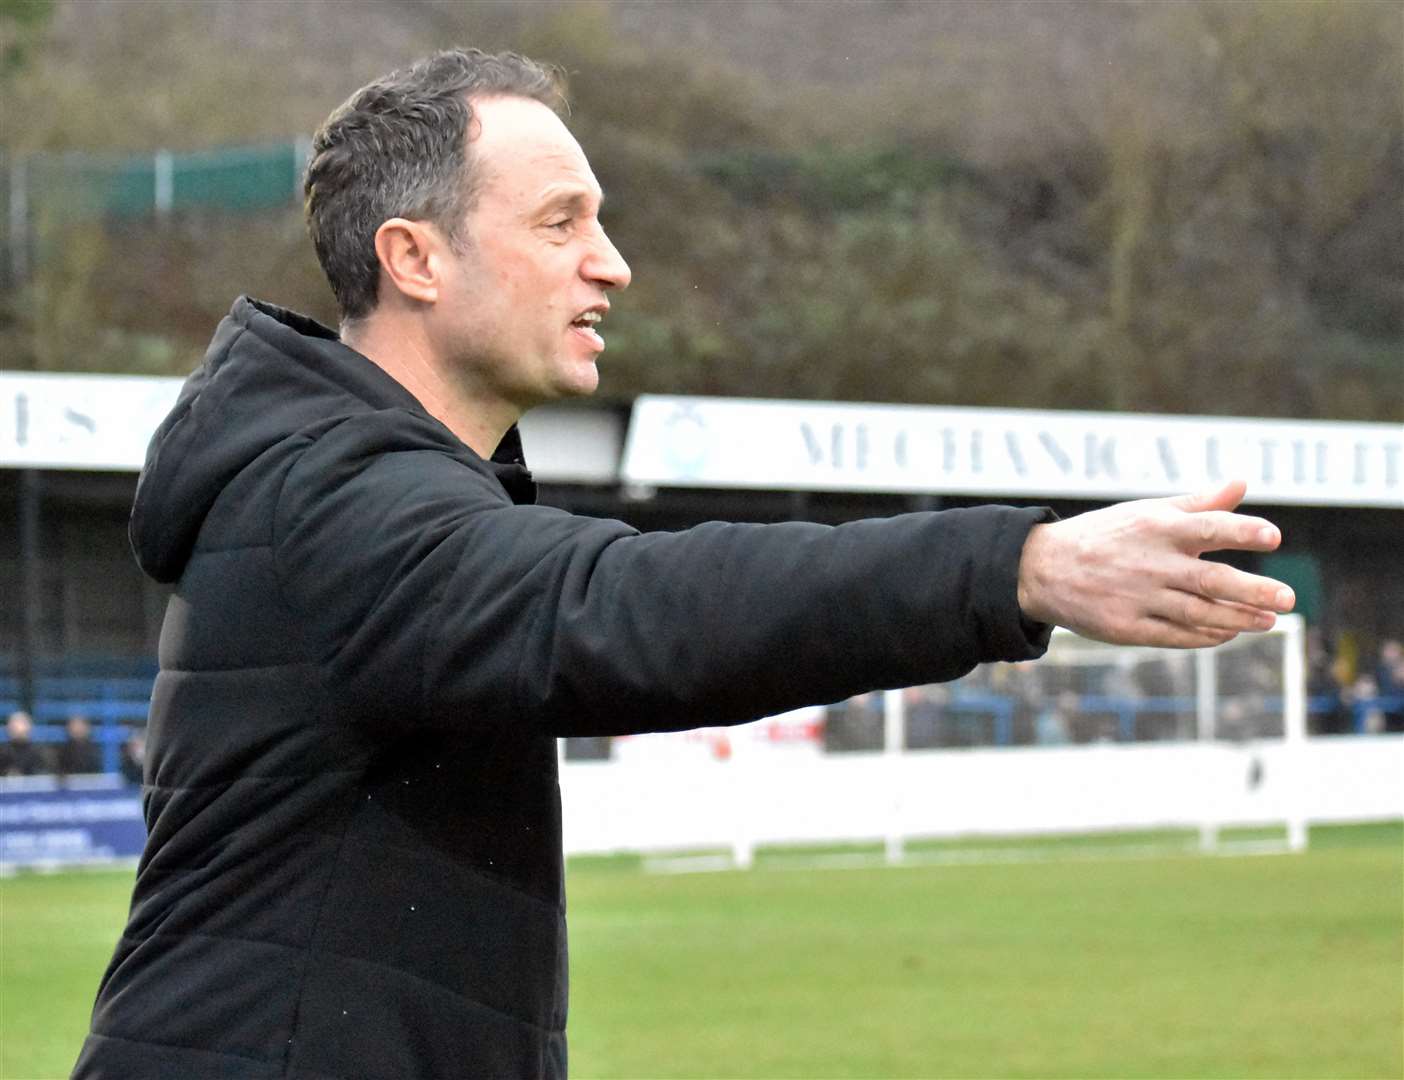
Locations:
(1221, 687)
(1208, 739)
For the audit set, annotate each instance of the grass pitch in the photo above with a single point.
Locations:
(1104, 966)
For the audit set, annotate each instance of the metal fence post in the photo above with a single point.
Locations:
(164, 182)
(31, 590)
(19, 219)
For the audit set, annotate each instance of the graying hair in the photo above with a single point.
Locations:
(398, 147)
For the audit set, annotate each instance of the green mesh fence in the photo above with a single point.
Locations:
(52, 189)
(252, 178)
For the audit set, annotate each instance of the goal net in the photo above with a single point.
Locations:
(1137, 738)
(1239, 709)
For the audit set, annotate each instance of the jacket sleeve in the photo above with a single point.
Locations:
(428, 594)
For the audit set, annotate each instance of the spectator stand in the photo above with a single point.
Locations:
(114, 694)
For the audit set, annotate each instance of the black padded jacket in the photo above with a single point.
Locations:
(354, 858)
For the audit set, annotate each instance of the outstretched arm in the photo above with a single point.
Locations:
(1131, 574)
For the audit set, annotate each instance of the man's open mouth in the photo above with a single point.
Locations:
(586, 324)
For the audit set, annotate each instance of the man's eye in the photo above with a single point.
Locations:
(561, 224)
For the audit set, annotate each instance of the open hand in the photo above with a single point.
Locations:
(1131, 574)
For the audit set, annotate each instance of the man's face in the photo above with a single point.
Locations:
(18, 726)
(518, 309)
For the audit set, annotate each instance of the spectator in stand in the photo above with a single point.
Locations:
(924, 707)
(1055, 722)
(1363, 695)
(854, 724)
(1326, 715)
(133, 757)
(19, 756)
(1389, 678)
(79, 755)
(1022, 683)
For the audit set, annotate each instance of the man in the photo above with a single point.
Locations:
(18, 754)
(78, 755)
(354, 866)
(131, 757)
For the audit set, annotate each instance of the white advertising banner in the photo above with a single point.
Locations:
(68, 421)
(825, 446)
(78, 421)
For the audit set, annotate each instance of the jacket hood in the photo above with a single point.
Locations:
(269, 374)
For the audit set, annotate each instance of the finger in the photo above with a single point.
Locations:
(1219, 530)
(1165, 634)
(1221, 498)
(1196, 612)
(1269, 617)
(1216, 581)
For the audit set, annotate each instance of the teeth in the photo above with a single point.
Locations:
(590, 318)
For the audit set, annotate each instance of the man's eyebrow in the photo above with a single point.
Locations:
(573, 196)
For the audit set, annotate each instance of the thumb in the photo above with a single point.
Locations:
(1226, 497)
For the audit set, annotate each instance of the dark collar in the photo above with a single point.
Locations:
(509, 463)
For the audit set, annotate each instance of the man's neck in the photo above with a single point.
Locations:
(404, 354)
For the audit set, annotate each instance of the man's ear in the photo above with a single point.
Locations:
(409, 254)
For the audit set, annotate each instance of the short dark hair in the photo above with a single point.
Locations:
(398, 147)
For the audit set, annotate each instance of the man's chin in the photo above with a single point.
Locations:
(582, 380)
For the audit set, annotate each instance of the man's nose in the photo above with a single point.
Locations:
(605, 266)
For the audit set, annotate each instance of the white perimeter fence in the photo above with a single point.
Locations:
(751, 800)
